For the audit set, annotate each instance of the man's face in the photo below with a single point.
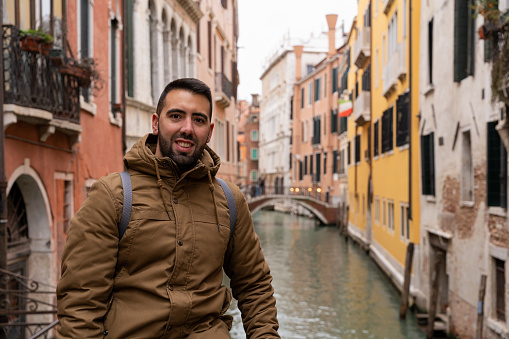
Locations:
(184, 127)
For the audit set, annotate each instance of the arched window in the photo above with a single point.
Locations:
(183, 59)
(174, 51)
(166, 49)
(190, 57)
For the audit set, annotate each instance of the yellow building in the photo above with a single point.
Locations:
(383, 175)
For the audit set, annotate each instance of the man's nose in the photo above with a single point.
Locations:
(187, 126)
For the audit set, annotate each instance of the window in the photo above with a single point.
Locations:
(254, 153)
(302, 98)
(348, 153)
(219, 139)
(325, 85)
(254, 135)
(316, 139)
(335, 161)
(310, 93)
(114, 62)
(301, 175)
(343, 125)
(333, 120)
(317, 89)
(366, 79)
(344, 81)
(387, 131)
(305, 165)
(377, 210)
(390, 215)
(209, 43)
(342, 166)
(253, 175)
(384, 213)
(404, 224)
(85, 37)
(496, 168)
(309, 68)
(376, 137)
(334, 80)
(358, 148)
(311, 164)
(500, 289)
(228, 143)
(318, 163)
(464, 39)
(324, 162)
(428, 164)
(467, 175)
(403, 122)
(430, 51)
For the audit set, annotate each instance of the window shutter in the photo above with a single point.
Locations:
(496, 175)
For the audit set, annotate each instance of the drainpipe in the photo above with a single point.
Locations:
(124, 78)
(3, 180)
(410, 113)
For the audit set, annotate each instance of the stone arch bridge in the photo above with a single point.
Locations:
(328, 214)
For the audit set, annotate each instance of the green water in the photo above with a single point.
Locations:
(325, 287)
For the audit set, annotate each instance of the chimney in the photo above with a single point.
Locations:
(298, 61)
(254, 100)
(331, 22)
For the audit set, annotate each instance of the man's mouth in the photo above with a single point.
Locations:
(184, 144)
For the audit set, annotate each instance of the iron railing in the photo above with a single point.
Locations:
(28, 307)
(32, 78)
(224, 85)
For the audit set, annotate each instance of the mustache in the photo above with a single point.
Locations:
(186, 137)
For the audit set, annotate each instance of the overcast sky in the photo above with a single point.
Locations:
(264, 23)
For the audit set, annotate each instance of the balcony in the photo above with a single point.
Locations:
(224, 90)
(37, 89)
(395, 69)
(362, 48)
(362, 108)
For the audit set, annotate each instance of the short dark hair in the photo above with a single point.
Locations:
(189, 84)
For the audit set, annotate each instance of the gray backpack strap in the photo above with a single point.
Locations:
(128, 204)
(231, 204)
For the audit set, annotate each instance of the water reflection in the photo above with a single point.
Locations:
(325, 287)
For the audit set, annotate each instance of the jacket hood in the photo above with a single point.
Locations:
(141, 157)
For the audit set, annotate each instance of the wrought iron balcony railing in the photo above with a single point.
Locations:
(28, 307)
(34, 79)
(224, 89)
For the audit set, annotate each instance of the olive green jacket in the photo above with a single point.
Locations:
(164, 278)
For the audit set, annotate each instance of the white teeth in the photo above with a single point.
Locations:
(184, 144)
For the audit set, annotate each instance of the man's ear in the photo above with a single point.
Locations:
(155, 124)
(210, 132)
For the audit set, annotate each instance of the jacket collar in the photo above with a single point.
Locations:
(141, 158)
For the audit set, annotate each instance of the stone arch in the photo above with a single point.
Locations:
(182, 52)
(40, 264)
(274, 201)
(190, 56)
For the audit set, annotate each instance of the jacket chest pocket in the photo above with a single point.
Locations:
(149, 240)
(211, 239)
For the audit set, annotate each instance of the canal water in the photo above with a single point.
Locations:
(325, 287)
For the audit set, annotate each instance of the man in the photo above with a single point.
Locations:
(163, 278)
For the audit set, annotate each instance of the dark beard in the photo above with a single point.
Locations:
(184, 162)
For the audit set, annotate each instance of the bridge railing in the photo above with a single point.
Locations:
(253, 191)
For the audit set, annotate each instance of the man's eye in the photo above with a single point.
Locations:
(175, 116)
(200, 120)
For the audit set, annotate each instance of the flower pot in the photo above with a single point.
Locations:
(82, 74)
(33, 44)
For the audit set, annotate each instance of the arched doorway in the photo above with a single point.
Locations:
(31, 266)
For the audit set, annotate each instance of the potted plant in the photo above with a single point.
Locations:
(85, 71)
(35, 41)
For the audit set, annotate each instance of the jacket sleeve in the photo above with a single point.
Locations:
(250, 277)
(88, 265)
